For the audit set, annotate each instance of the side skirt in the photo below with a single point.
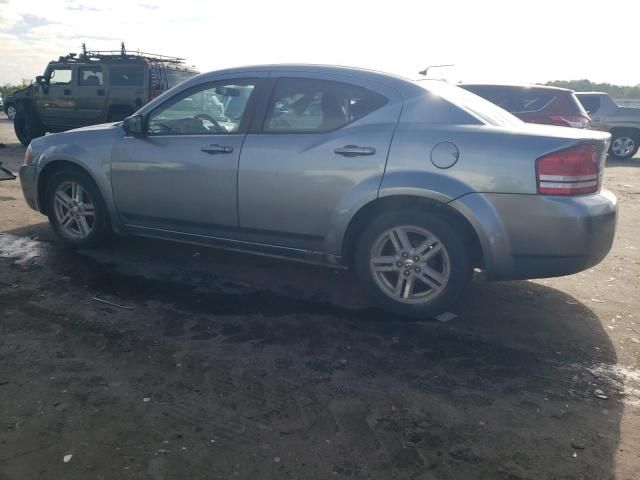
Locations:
(274, 251)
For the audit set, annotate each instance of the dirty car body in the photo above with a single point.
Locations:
(413, 184)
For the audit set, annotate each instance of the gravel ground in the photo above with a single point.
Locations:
(233, 366)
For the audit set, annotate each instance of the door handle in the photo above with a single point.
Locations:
(101, 92)
(67, 91)
(215, 148)
(354, 151)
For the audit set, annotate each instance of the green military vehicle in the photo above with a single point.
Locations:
(92, 87)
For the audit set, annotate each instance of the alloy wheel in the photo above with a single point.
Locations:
(623, 146)
(410, 264)
(11, 112)
(74, 210)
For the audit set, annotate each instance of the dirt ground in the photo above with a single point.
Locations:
(230, 366)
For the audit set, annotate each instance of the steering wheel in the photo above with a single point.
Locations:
(204, 116)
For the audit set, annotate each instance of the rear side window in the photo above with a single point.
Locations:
(127, 75)
(591, 103)
(90, 76)
(303, 105)
(525, 100)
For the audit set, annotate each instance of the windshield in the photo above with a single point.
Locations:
(472, 103)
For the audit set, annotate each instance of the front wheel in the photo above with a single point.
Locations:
(413, 263)
(76, 210)
(11, 112)
(26, 126)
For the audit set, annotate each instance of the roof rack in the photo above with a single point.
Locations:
(121, 54)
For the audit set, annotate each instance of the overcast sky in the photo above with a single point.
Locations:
(488, 41)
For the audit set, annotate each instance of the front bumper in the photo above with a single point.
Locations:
(535, 236)
(29, 182)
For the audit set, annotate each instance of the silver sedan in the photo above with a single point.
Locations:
(411, 184)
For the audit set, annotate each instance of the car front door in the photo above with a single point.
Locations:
(320, 137)
(182, 175)
(56, 101)
(90, 95)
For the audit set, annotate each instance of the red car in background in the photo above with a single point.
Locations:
(536, 104)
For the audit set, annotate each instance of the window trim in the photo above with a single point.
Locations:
(264, 111)
(247, 116)
(97, 67)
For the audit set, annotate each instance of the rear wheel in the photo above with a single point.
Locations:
(76, 210)
(413, 263)
(624, 144)
(26, 126)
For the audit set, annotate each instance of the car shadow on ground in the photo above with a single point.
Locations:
(274, 360)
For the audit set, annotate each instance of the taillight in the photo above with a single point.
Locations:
(573, 171)
(575, 121)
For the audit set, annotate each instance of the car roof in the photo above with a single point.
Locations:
(355, 72)
(512, 86)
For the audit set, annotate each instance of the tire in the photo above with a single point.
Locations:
(624, 144)
(10, 110)
(452, 262)
(88, 195)
(26, 126)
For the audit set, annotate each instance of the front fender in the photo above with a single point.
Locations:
(89, 151)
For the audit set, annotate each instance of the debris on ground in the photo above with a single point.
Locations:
(101, 300)
(445, 317)
(67, 458)
(600, 394)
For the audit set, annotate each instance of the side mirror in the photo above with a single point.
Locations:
(40, 80)
(134, 125)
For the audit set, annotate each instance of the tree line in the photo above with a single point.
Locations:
(616, 91)
(8, 88)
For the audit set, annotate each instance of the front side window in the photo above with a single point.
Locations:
(212, 109)
(60, 76)
(127, 75)
(90, 76)
(302, 105)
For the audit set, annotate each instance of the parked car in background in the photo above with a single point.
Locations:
(535, 104)
(92, 88)
(411, 184)
(1, 103)
(622, 122)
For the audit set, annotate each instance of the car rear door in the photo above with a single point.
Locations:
(319, 137)
(90, 95)
(182, 176)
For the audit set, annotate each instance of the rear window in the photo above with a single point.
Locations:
(480, 108)
(163, 78)
(127, 75)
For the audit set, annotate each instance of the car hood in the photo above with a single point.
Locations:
(92, 128)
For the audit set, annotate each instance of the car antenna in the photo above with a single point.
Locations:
(426, 70)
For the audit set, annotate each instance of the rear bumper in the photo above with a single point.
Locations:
(29, 183)
(534, 236)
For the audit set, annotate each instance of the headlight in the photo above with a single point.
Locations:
(28, 156)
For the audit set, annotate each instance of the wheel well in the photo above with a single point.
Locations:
(432, 207)
(634, 132)
(47, 172)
